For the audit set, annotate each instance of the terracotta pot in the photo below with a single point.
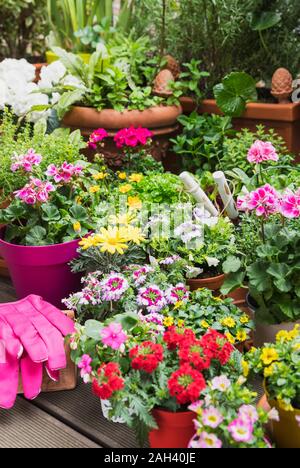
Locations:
(214, 283)
(285, 432)
(188, 104)
(38, 68)
(284, 118)
(161, 120)
(265, 333)
(175, 430)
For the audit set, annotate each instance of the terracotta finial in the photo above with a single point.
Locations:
(162, 84)
(282, 85)
(172, 65)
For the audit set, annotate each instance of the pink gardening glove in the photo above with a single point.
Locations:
(40, 328)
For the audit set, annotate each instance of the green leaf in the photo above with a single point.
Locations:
(232, 282)
(50, 213)
(234, 92)
(258, 278)
(232, 264)
(36, 236)
(280, 272)
(128, 320)
(67, 100)
(93, 329)
(78, 212)
(267, 20)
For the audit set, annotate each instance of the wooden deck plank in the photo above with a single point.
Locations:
(27, 426)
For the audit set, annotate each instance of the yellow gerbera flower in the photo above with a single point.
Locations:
(268, 356)
(241, 335)
(168, 322)
(125, 188)
(77, 226)
(135, 203)
(111, 240)
(136, 178)
(228, 322)
(94, 189)
(100, 176)
(122, 175)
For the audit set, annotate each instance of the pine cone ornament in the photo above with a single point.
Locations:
(173, 66)
(162, 84)
(282, 85)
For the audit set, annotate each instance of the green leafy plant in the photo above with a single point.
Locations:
(234, 92)
(201, 142)
(189, 82)
(56, 148)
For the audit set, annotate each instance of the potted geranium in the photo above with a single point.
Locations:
(227, 417)
(150, 376)
(279, 364)
(43, 225)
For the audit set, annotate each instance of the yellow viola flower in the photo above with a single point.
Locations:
(204, 324)
(246, 368)
(230, 338)
(244, 319)
(94, 189)
(268, 356)
(136, 178)
(241, 335)
(228, 322)
(168, 322)
(218, 299)
(122, 176)
(77, 226)
(294, 333)
(283, 335)
(269, 370)
(125, 188)
(111, 240)
(180, 323)
(100, 176)
(135, 203)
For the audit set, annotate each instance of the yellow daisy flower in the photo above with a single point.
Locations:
(241, 336)
(180, 323)
(132, 234)
(136, 178)
(100, 176)
(125, 188)
(168, 322)
(94, 189)
(244, 319)
(122, 219)
(246, 368)
(230, 338)
(111, 240)
(228, 322)
(135, 203)
(268, 356)
(87, 242)
(204, 324)
(122, 175)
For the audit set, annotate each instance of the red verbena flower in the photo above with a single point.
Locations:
(146, 356)
(217, 346)
(175, 336)
(108, 382)
(186, 384)
(192, 352)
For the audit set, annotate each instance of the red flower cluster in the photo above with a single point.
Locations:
(146, 356)
(132, 137)
(96, 137)
(192, 352)
(108, 382)
(217, 346)
(175, 336)
(186, 384)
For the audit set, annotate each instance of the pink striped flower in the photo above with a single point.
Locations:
(290, 204)
(262, 151)
(265, 201)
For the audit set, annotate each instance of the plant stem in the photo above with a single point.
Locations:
(263, 230)
(163, 28)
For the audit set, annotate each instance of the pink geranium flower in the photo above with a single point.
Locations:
(26, 161)
(96, 137)
(85, 366)
(262, 151)
(113, 336)
(64, 173)
(290, 204)
(265, 201)
(241, 430)
(36, 191)
(133, 137)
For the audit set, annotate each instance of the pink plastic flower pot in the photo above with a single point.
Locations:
(43, 271)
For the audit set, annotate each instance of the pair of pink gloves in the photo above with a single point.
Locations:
(32, 335)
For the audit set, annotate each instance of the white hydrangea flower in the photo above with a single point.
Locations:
(52, 75)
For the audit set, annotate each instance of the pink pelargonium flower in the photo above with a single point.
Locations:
(85, 366)
(262, 151)
(64, 173)
(133, 137)
(113, 336)
(152, 298)
(36, 191)
(96, 137)
(290, 204)
(26, 161)
(205, 441)
(265, 201)
(241, 430)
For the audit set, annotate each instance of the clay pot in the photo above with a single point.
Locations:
(161, 120)
(173, 66)
(38, 68)
(175, 430)
(214, 283)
